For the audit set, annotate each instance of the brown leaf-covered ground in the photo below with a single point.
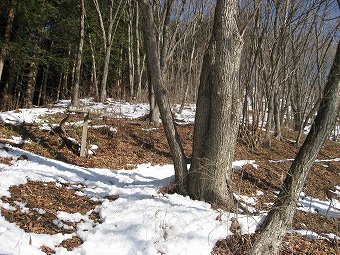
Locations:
(291, 245)
(37, 204)
(125, 143)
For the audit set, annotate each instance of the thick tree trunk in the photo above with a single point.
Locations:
(154, 116)
(103, 91)
(8, 30)
(154, 69)
(7, 91)
(75, 89)
(218, 112)
(274, 228)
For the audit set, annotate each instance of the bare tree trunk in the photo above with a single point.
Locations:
(108, 37)
(154, 116)
(42, 91)
(275, 225)
(120, 75)
(59, 86)
(270, 117)
(65, 78)
(165, 40)
(8, 30)
(17, 90)
(103, 92)
(154, 69)
(29, 93)
(75, 87)
(218, 112)
(7, 91)
(140, 76)
(131, 53)
(245, 112)
(139, 69)
(277, 122)
(94, 72)
(65, 89)
(189, 80)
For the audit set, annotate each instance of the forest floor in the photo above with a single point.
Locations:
(125, 143)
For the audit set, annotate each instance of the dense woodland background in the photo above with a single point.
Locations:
(287, 54)
(268, 64)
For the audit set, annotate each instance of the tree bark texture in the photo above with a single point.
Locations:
(131, 54)
(6, 101)
(218, 112)
(94, 72)
(29, 93)
(154, 69)
(154, 115)
(275, 225)
(75, 89)
(139, 70)
(42, 91)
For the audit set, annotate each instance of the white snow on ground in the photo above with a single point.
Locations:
(238, 164)
(117, 109)
(141, 221)
(187, 115)
(329, 208)
(306, 233)
(15, 139)
(27, 115)
(316, 161)
(113, 108)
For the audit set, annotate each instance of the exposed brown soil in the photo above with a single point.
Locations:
(135, 142)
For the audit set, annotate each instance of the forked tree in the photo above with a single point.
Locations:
(218, 108)
(217, 112)
(108, 35)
